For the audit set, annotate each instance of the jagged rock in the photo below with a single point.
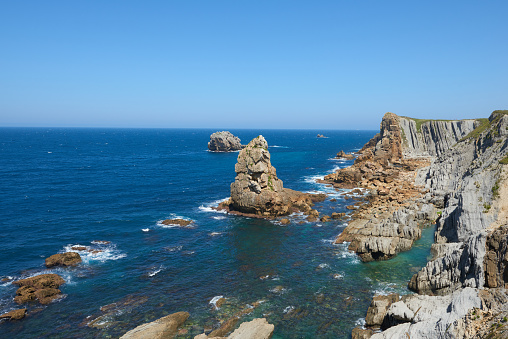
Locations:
(378, 308)
(224, 142)
(256, 329)
(14, 314)
(399, 312)
(284, 221)
(338, 215)
(43, 288)
(63, 259)
(165, 327)
(257, 191)
(496, 258)
(435, 316)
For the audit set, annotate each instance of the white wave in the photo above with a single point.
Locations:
(145, 229)
(173, 248)
(385, 289)
(214, 301)
(100, 251)
(288, 309)
(277, 146)
(321, 266)
(155, 271)
(209, 207)
(219, 217)
(360, 322)
(338, 276)
(339, 160)
(213, 234)
(313, 178)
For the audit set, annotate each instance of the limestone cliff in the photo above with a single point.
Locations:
(257, 191)
(467, 179)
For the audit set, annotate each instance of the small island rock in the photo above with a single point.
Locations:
(344, 155)
(224, 142)
(63, 259)
(257, 191)
(43, 288)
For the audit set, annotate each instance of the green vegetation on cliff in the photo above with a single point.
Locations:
(485, 124)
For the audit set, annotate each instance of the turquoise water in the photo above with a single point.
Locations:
(64, 187)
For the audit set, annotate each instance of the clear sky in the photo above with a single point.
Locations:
(250, 64)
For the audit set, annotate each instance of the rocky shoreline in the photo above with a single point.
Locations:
(452, 172)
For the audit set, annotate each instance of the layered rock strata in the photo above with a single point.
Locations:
(465, 280)
(257, 191)
(224, 142)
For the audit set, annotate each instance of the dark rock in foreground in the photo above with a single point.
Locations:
(63, 259)
(224, 142)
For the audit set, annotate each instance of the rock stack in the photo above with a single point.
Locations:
(224, 142)
(257, 191)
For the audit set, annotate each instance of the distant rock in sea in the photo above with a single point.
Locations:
(257, 191)
(321, 136)
(224, 142)
(344, 155)
(63, 259)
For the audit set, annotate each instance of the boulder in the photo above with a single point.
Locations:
(257, 191)
(63, 259)
(224, 142)
(14, 315)
(256, 329)
(360, 333)
(165, 327)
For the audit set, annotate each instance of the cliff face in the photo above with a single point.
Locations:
(467, 179)
(432, 137)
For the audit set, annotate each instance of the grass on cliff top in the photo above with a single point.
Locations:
(420, 122)
(485, 124)
(504, 161)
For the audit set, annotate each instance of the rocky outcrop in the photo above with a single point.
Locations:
(165, 327)
(257, 191)
(14, 314)
(63, 259)
(42, 288)
(496, 258)
(344, 155)
(224, 142)
(176, 222)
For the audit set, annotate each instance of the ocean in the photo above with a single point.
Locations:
(109, 190)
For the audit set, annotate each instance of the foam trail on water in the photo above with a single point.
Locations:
(209, 207)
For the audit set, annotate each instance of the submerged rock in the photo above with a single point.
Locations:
(43, 288)
(63, 259)
(165, 327)
(224, 142)
(14, 315)
(257, 191)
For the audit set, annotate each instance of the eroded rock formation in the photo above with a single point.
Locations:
(42, 288)
(224, 142)
(165, 327)
(257, 191)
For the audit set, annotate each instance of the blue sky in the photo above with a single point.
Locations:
(250, 64)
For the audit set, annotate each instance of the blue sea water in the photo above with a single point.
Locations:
(108, 190)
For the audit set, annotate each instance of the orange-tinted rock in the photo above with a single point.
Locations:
(63, 259)
(42, 287)
(14, 315)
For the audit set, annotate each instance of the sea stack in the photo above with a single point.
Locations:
(257, 191)
(224, 142)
